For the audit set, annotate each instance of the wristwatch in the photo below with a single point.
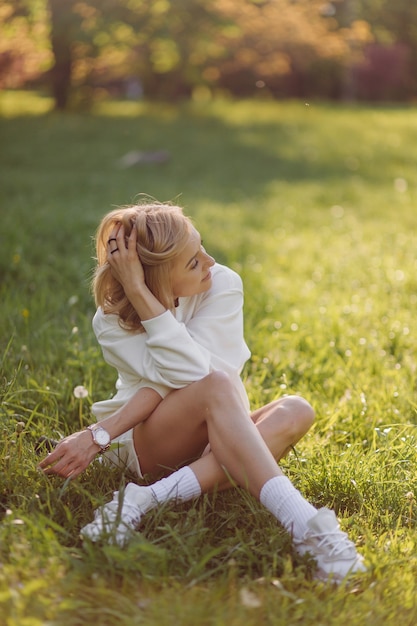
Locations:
(100, 436)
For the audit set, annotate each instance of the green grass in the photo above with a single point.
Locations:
(315, 206)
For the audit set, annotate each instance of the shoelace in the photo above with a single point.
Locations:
(335, 541)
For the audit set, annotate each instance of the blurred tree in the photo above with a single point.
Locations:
(394, 28)
(179, 38)
(23, 43)
(173, 48)
(158, 45)
(64, 27)
(286, 46)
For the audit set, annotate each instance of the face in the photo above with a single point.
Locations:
(191, 270)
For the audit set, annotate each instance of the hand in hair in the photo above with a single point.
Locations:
(124, 260)
(128, 270)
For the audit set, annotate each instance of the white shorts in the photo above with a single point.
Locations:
(123, 453)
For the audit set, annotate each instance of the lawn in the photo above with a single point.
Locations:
(315, 206)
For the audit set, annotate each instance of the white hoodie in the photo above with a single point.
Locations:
(204, 334)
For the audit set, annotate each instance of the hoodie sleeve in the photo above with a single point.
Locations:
(173, 353)
(211, 339)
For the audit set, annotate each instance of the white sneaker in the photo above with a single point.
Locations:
(334, 553)
(117, 520)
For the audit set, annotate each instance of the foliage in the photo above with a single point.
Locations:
(395, 36)
(314, 206)
(24, 51)
(173, 49)
(283, 39)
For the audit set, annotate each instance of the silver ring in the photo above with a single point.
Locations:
(115, 250)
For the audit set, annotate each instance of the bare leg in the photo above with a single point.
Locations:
(281, 424)
(211, 411)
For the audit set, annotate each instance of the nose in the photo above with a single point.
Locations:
(208, 260)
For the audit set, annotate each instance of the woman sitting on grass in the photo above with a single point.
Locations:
(169, 319)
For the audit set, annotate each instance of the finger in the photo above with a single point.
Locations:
(132, 240)
(76, 472)
(116, 246)
(121, 236)
(133, 233)
(115, 230)
(50, 459)
(113, 244)
(57, 461)
(112, 241)
(70, 473)
(65, 469)
(57, 468)
(75, 468)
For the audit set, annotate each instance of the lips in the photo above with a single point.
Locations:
(207, 277)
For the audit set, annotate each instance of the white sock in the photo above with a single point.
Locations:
(181, 486)
(287, 504)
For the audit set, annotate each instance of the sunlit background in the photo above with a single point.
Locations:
(84, 50)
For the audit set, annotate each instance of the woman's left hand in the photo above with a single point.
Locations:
(124, 260)
(71, 456)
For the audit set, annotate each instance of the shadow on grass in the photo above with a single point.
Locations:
(214, 155)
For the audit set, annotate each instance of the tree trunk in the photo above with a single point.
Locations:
(61, 42)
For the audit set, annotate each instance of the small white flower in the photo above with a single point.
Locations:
(72, 301)
(80, 391)
(249, 599)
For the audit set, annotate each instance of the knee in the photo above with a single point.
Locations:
(302, 413)
(218, 383)
(305, 413)
(217, 389)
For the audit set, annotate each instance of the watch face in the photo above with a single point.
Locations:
(102, 437)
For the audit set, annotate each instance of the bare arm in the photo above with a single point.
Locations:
(74, 453)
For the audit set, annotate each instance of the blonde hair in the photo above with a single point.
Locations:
(162, 233)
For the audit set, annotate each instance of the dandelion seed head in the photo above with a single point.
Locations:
(80, 391)
(249, 599)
